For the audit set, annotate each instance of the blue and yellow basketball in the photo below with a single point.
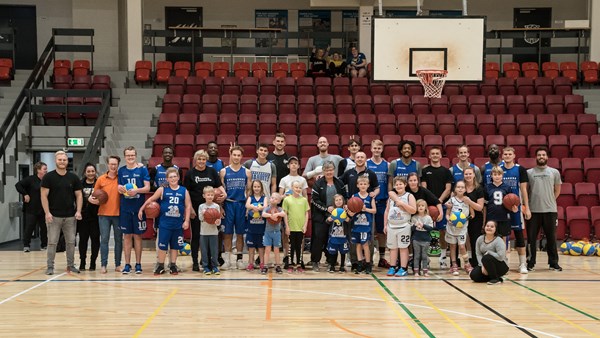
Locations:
(458, 219)
(597, 245)
(576, 249)
(130, 186)
(338, 215)
(589, 249)
(185, 250)
(565, 247)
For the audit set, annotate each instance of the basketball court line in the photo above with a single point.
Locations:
(399, 314)
(155, 313)
(441, 313)
(21, 276)
(339, 326)
(31, 288)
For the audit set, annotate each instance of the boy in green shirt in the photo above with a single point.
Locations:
(296, 207)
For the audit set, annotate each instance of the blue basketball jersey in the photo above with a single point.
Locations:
(235, 184)
(494, 196)
(512, 178)
(403, 170)
(256, 223)
(457, 172)
(336, 233)
(218, 164)
(161, 175)
(363, 221)
(487, 172)
(381, 171)
(135, 176)
(172, 208)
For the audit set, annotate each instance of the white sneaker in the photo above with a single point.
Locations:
(348, 262)
(523, 269)
(443, 264)
(375, 255)
(240, 264)
(226, 265)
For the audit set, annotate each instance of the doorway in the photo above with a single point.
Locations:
(23, 20)
(183, 17)
(532, 18)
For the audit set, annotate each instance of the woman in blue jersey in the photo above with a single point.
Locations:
(175, 211)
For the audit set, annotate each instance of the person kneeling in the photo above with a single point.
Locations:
(491, 255)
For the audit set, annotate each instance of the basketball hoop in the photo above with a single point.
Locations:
(433, 81)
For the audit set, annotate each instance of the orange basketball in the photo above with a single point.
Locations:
(271, 221)
(511, 200)
(211, 215)
(355, 204)
(100, 195)
(433, 212)
(152, 210)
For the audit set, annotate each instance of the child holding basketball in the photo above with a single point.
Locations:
(495, 210)
(209, 233)
(256, 224)
(296, 207)
(363, 223)
(339, 225)
(396, 225)
(272, 238)
(422, 225)
(176, 208)
(458, 214)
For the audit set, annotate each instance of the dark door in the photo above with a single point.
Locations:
(183, 17)
(23, 20)
(532, 18)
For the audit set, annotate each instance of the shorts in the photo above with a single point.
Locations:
(272, 238)
(503, 228)
(360, 237)
(399, 238)
(254, 241)
(334, 248)
(381, 205)
(441, 225)
(170, 239)
(235, 218)
(455, 239)
(131, 224)
(516, 220)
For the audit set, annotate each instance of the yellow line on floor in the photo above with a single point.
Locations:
(155, 313)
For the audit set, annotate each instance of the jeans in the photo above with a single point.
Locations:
(31, 222)
(209, 245)
(420, 255)
(105, 223)
(67, 225)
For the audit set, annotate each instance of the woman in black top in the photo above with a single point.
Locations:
(88, 227)
(474, 198)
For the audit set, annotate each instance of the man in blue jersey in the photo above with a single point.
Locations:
(405, 165)
(236, 179)
(380, 167)
(463, 162)
(515, 176)
(134, 182)
(486, 168)
(213, 160)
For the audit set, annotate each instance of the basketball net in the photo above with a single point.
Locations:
(432, 81)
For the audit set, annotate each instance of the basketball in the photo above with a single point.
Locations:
(100, 195)
(597, 245)
(511, 200)
(433, 212)
(565, 247)
(576, 249)
(152, 210)
(589, 249)
(211, 215)
(185, 250)
(355, 204)
(128, 187)
(339, 215)
(458, 219)
(271, 221)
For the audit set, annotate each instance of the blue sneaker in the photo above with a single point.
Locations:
(401, 273)
(216, 271)
(138, 268)
(207, 271)
(127, 269)
(391, 271)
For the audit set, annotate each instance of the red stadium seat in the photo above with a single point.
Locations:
(171, 103)
(407, 124)
(101, 82)
(288, 124)
(176, 85)
(569, 70)
(298, 70)
(580, 146)
(221, 69)
(287, 104)
(486, 124)
(344, 105)
(280, 69)
(188, 124)
(363, 105)
(306, 124)
(546, 124)
(439, 105)
(420, 105)
(595, 213)
(530, 69)
(535, 104)
(191, 104)
(591, 169)
(526, 125)
(426, 124)
(248, 142)
(451, 89)
(562, 86)
(267, 124)
(194, 85)
(525, 86)
(184, 146)
(492, 70)
(202, 69)
(559, 146)
(143, 71)
(401, 104)
(267, 104)
(167, 124)
(566, 124)
(489, 86)
(511, 69)
(228, 124)
(465, 123)
(247, 124)
(543, 86)
(160, 141)
(249, 104)
(451, 144)
(378, 89)
(595, 145)
(572, 170)
(347, 125)
(260, 69)
(6, 69)
(506, 125)
(230, 104)
(578, 222)
(586, 194)
(574, 104)
(390, 146)
(182, 69)
(446, 124)
(210, 104)
(519, 143)
(476, 145)
(82, 82)
(587, 124)
(250, 86)
(386, 124)
(534, 142)
(567, 195)
(496, 104)
(341, 86)
(62, 82)
(469, 89)
(506, 86)
(327, 124)
(360, 86)
(163, 71)
(561, 226)
(498, 140)
(381, 104)
(62, 67)
(589, 71)
(458, 105)
(430, 141)
(202, 141)
(306, 104)
(231, 85)
(555, 104)
(550, 70)
(287, 86)
(268, 86)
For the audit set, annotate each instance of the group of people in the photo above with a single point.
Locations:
(335, 66)
(263, 202)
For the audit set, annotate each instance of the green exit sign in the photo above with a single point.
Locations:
(75, 142)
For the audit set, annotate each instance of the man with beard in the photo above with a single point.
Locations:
(486, 168)
(314, 166)
(213, 161)
(279, 157)
(544, 189)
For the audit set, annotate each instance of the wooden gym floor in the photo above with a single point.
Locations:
(239, 303)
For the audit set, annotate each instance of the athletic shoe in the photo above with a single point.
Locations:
(331, 268)
(138, 268)
(196, 267)
(342, 269)
(92, 267)
(368, 269)
(348, 262)
(290, 269)
(240, 264)
(300, 269)
(523, 269)
(555, 267)
(391, 271)
(401, 273)
(226, 265)
(494, 282)
(443, 264)
(278, 269)
(454, 270)
(173, 269)
(26, 249)
(50, 271)
(264, 270)
(530, 267)
(159, 269)
(425, 273)
(216, 272)
(207, 272)
(354, 267)
(250, 267)
(315, 266)
(127, 269)
(383, 263)
(72, 269)
(257, 262)
(359, 268)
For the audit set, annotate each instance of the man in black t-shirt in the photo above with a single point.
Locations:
(62, 200)
(29, 187)
(279, 157)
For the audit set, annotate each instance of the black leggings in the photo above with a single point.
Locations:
(318, 242)
(495, 269)
(475, 230)
(89, 229)
(296, 243)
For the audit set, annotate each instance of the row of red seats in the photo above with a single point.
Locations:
(63, 67)
(578, 222)
(579, 193)
(6, 69)
(378, 105)
(88, 119)
(588, 70)
(81, 82)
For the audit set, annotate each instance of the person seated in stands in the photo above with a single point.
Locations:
(337, 66)
(318, 62)
(357, 63)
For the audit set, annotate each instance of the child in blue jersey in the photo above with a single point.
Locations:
(272, 238)
(338, 239)
(362, 225)
(134, 182)
(422, 225)
(398, 228)
(209, 233)
(175, 211)
(256, 224)
(494, 196)
(456, 234)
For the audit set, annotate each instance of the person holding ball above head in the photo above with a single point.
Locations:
(491, 254)
(134, 182)
(175, 211)
(457, 214)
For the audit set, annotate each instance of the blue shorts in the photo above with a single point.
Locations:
(131, 224)
(381, 205)
(272, 238)
(441, 225)
(334, 248)
(170, 239)
(235, 218)
(516, 220)
(254, 241)
(360, 237)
